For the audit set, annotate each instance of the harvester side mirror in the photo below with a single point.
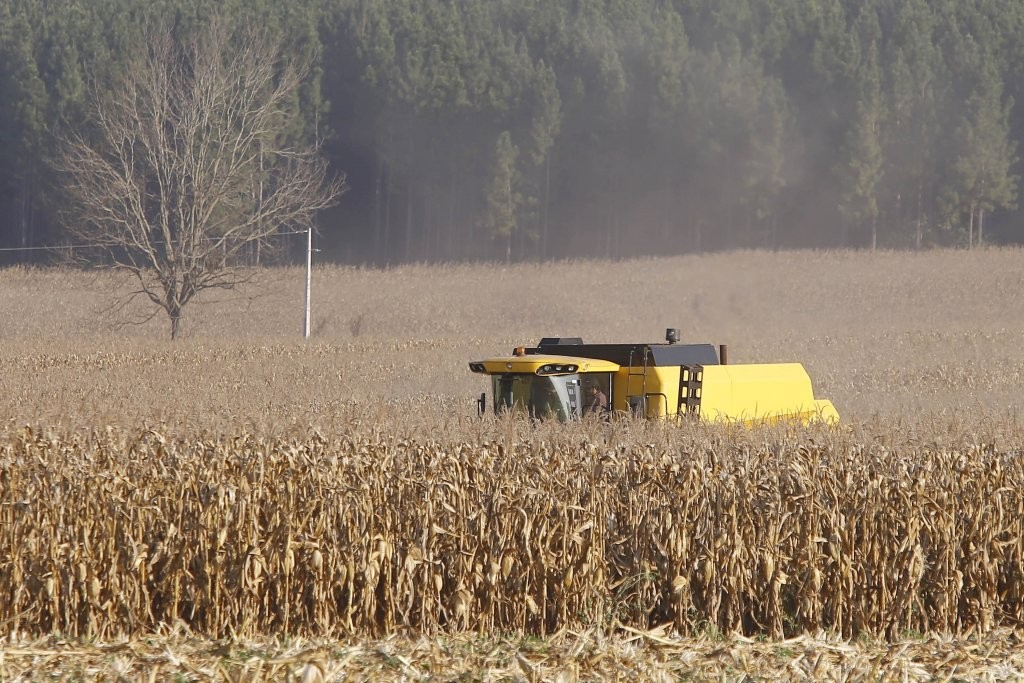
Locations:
(481, 404)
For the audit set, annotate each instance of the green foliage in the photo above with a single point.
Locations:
(503, 198)
(643, 125)
(863, 164)
(985, 154)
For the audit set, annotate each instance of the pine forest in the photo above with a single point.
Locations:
(524, 130)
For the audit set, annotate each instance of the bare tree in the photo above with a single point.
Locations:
(193, 162)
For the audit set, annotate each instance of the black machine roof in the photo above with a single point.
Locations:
(630, 354)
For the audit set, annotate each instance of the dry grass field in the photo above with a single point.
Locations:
(889, 334)
(244, 484)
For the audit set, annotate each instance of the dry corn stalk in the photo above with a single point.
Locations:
(115, 533)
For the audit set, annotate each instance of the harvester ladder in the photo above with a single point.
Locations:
(643, 383)
(690, 379)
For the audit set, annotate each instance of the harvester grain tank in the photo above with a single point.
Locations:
(566, 379)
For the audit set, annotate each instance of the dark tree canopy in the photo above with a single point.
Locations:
(525, 129)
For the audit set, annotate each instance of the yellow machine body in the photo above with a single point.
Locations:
(762, 392)
(535, 364)
(746, 394)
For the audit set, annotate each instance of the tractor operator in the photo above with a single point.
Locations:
(597, 401)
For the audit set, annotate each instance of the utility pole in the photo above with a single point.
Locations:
(309, 276)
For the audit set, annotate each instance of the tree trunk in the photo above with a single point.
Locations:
(970, 230)
(410, 190)
(27, 218)
(730, 216)
(508, 238)
(435, 221)
(521, 244)
(981, 226)
(407, 249)
(262, 157)
(175, 324)
(386, 248)
(544, 209)
(378, 188)
(874, 232)
(919, 228)
(450, 228)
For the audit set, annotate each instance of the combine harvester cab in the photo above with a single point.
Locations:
(557, 379)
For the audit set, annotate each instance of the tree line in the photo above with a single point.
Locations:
(532, 129)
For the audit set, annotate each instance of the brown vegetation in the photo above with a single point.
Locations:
(894, 334)
(507, 528)
(250, 483)
(655, 655)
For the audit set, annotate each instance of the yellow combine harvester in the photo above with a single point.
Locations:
(566, 379)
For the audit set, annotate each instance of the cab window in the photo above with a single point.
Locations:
(541, 397)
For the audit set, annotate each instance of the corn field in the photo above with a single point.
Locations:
(245, 505)
(108, 533)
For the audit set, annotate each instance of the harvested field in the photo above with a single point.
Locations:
(241, 483)
(654, 655)
(891, 334)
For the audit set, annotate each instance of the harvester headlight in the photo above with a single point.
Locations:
(477, 367)
(556, 369)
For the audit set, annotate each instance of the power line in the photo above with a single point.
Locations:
(94, 246)
(66, 246)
